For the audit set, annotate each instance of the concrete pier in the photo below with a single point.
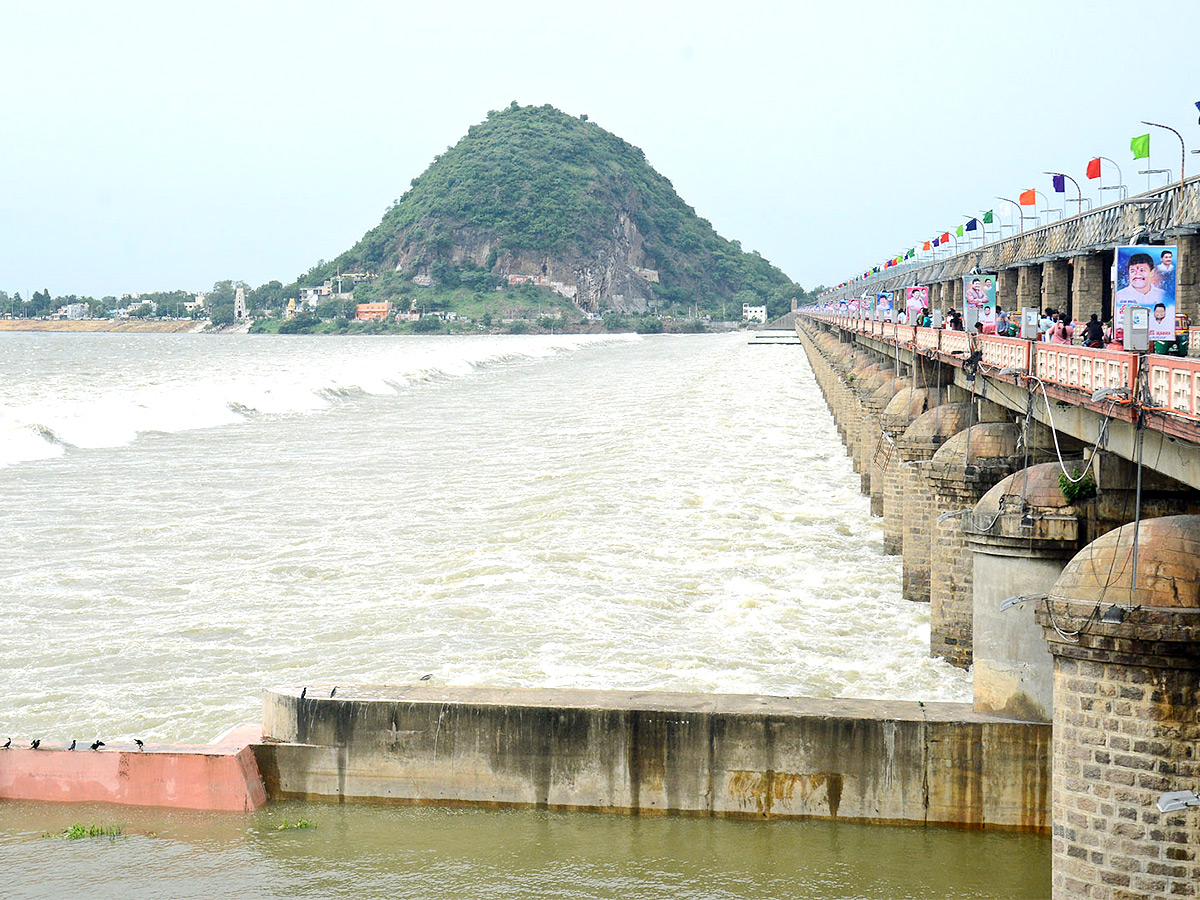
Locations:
(659, 753)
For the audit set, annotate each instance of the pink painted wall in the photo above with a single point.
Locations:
(220, 776)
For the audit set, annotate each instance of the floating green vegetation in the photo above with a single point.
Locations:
(285, 825)
(79, 830)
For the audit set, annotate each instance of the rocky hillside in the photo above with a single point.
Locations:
(533, 191)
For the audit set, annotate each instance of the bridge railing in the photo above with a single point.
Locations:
(1174, 382)
(1085, 368)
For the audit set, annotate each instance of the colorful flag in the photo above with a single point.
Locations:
(958, 232)
(909, 254)
(926, 247)
(1029, 197)
(1140, 146)
(936, 242)
(1094, 168)
(1060, 184)
(987, 217)
(945, 237)
(973, 225)
(1198, 107)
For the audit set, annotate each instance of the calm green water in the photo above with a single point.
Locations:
(439, 854)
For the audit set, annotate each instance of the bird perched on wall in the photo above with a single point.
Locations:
(303, 692)
(97, 744)
(72, 747)
(35, 743)
(7, 744)
(139, 743)
(334, 691)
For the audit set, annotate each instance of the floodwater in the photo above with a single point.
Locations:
(189, 519)
(428, 853)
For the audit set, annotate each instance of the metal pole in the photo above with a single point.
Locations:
(1120, 177)
(1182, 146)
(1019, 211)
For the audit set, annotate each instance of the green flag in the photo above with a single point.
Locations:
(987, 217)
(1140, 146)
(958, 232)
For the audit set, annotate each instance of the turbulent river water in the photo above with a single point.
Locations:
(188, 519)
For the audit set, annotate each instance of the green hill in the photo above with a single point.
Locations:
(532, 191)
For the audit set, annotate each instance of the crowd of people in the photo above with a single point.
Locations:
(1054, 326)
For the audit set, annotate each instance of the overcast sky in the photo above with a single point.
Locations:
(153, 146)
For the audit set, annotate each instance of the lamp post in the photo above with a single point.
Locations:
(1182, 146)
(1120, 185)
(1020, 211)
(1046, 200)
(1078, 189)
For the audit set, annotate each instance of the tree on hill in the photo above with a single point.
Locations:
(533, 191)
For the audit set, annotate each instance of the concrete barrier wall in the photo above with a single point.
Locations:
(651, 752)
(219, 776)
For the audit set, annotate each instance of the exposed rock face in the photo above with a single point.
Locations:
(534, 192)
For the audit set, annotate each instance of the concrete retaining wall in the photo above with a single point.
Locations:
(651, 752)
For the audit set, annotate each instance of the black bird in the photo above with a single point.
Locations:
(72, 747)
(303, 693)
(426, 677)
(7, 744)
(139, 743)
(97, 744)
(334, 691)
(35, 743)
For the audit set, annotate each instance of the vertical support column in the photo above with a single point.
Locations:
(1087, 289)
(1187, 276)
(1055, 285)
(959, 474)
(1006, 291)
(956, 293)
(1125, 724)
(1029, 286)
(916, 447)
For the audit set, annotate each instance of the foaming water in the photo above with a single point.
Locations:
(223, 514)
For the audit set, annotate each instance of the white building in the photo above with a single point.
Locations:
(754, 313)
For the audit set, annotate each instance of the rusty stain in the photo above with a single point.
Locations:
(763, 790)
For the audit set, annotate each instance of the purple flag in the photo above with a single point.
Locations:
(1060, 184)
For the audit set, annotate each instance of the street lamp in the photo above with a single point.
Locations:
(1182, 146)
(1078, 189)
(1020, 211)
(1120, 185)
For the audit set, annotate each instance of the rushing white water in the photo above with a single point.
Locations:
(189, 518)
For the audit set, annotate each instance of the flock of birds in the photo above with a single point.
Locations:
(97, 744)
(36, 743)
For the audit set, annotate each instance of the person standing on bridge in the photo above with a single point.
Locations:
(1061, 331)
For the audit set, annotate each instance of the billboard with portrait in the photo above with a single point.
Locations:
(1145, 276)
(979, 299)
(916, 298)
(883, 307)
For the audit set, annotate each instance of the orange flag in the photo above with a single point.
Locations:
(1029, 197)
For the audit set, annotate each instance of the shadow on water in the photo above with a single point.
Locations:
(447, 854)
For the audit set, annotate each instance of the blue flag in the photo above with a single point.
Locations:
(1060, 184)
(973, 225)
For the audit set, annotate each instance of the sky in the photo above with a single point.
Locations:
(157, 146)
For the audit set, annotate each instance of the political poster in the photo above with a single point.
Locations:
(916, 298)
(1145, 276)
(883, 307)
(979, 299)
